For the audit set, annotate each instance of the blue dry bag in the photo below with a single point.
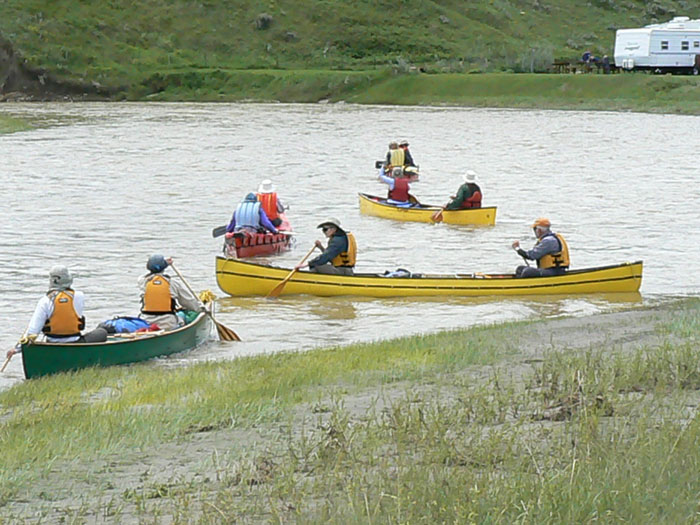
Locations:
(124, 324)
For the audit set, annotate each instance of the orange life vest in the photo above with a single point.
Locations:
(268, 201)
(157, 299)
(349, 257)
(64, 321)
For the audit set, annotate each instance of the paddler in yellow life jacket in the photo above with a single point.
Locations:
(59, 314)
(162, 296)
(550, 251)
(395, 157)
(339, 257)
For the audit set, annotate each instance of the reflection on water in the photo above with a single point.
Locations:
(114, 183)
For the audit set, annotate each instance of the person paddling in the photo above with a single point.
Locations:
(550, 251)
(339, 257)
(469, 194)
(161, 295)
(59, 314)
(399, 187)
(270, 202)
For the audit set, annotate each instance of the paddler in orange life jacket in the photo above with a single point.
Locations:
(469, 194)
(59, 314)
(339, 257)
(550, 251)
(399, 187)
(270, 202)
(162, 296)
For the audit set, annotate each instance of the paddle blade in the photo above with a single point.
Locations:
(218, 231)
(437, 216)
(226, 333)
(277, 290)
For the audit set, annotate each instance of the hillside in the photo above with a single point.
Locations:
(140, 47)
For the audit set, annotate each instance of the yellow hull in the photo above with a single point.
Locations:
(239, 278)
(370, 206)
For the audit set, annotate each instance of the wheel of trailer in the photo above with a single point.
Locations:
(696, 71)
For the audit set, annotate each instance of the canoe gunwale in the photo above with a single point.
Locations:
(376, 206)
(45, 358)
(264, 276)
(421, 207)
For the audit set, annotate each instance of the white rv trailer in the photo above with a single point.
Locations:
(670, 47)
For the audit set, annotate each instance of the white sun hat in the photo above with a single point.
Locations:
(266, 186)
(469, 176)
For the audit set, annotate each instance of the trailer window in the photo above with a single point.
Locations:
(696, 44)
(664, 44)
(685, 45)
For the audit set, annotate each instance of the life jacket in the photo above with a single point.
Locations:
(64, 321)
(268, 201)
(559, 259)
(248, 214)
(396, 157)
(157, 299)
(474, 200)
(349, 257)
(400, 191)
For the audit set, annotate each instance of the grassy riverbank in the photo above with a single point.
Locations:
(564, 420)
(303, 51)
(10, 124)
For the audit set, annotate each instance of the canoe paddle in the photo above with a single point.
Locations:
(278, 289)
(6, 362)
(219, 231)
(524, 259)
(225, 333)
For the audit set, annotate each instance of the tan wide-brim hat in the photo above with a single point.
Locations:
(331, 221)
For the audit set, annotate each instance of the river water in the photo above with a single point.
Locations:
(105, 185)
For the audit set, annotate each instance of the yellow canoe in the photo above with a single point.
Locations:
(241, 278)
(377, 206)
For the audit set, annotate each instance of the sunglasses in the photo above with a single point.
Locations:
(325, 229)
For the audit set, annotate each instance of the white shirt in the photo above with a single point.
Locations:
(44, 310)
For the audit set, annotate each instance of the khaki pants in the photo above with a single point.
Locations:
(329, 269)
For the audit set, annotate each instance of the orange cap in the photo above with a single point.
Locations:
(542, 221)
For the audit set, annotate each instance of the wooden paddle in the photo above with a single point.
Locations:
(277, 290)
(225, 333)
(219, 231)
(6, 362)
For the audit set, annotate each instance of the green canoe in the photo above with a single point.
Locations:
(40, 359)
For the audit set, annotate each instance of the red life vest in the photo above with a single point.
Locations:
(268, 201)
(400, 191)
(474, 201)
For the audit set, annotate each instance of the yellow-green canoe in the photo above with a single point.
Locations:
(377, 206)
(240, 278)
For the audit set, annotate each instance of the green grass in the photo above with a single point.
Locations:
(445, 428)
(12, 124)
(194, 50)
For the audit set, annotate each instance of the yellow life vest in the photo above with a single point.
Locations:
(349, 257)
(157, 299)
(556, 260)
(64, 320)
(397, 157)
